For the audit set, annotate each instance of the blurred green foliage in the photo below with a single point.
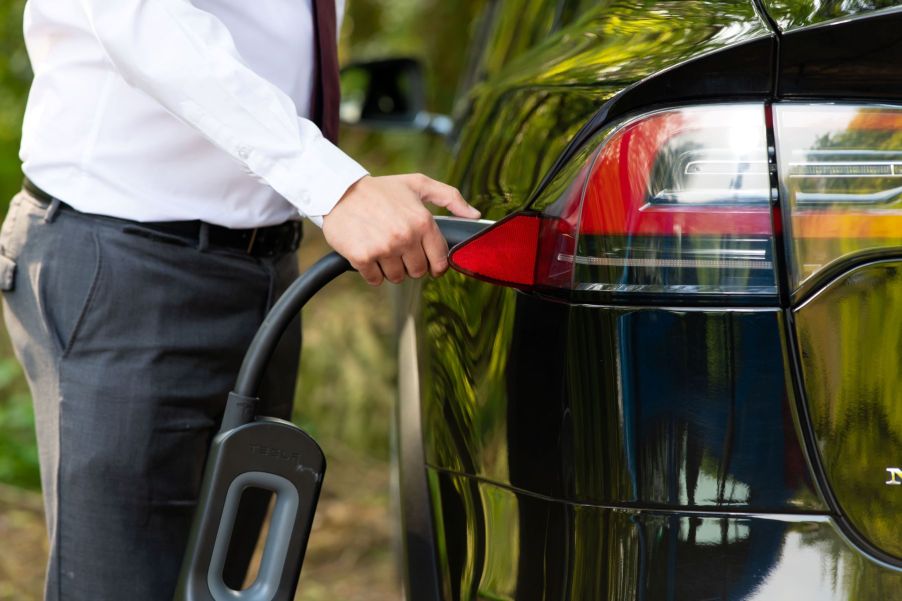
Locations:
(18, 454)
(15, 76)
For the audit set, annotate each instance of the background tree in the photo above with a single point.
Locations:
(15, 76)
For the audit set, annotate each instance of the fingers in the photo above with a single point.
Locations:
(383, 229)
(447, 197)
(436, 249)
(371, 273)
(415, 262)
(393, 268)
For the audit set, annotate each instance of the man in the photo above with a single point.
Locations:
(169, 148)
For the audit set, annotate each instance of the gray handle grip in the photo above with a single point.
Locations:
(276, 548)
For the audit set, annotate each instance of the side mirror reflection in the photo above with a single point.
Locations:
(388, 94)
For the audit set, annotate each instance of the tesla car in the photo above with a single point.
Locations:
(668, 365)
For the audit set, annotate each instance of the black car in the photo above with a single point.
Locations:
(671, 365)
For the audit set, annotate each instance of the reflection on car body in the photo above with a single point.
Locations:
(671, 369)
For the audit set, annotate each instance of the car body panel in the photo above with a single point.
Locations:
(611, 405)
(850, 345)
(588, 553)
(795, 14)
(855, 59)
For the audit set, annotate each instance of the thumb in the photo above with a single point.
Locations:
(447, 197)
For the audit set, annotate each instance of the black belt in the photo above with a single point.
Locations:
(259, 242)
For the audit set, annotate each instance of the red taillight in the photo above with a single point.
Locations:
(675, 201)
(504, 253)
(625, 198)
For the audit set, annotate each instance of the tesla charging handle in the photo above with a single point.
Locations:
(269, 454)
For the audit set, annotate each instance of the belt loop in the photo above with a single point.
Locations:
(52, 209)
(203, 237)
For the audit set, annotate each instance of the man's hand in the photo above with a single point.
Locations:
(381, 226)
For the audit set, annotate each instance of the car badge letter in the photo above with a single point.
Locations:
(895, 476)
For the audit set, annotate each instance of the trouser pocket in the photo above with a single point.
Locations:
(9, 248)
(7, 274)
(68, 281)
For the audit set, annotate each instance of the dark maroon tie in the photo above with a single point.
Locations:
(328, 91)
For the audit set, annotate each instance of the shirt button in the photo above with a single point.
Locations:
(244, 152)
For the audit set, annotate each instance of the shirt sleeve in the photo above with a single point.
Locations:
(185, 58)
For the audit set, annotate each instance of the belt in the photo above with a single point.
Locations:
(261, 242)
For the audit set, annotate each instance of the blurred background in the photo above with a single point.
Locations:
(346, 392)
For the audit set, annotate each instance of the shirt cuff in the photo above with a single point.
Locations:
(315, 180)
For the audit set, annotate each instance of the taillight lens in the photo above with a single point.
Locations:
(841, 176)
(678, 201)
(672, 202)
(503, 254)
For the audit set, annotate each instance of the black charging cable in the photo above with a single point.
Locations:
(242, 403)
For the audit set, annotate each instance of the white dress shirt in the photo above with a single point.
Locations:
(168, 110)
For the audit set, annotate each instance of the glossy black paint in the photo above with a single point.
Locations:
(613, 405)
(795, 14)
(858, 59)
(500, 543)
(421, 575)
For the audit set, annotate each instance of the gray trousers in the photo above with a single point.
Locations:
(130, 341)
